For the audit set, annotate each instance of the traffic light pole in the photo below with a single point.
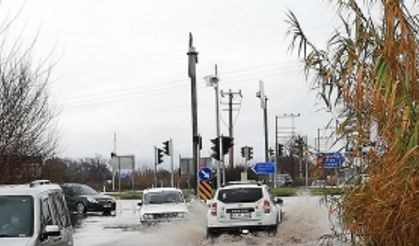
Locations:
(113, 169)
(276, 150)
(171, 162)
(222, 160)
(119, 174)
(155, 166)
(217, 119)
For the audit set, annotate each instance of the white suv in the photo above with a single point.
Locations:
(243, 207)
(34, 214)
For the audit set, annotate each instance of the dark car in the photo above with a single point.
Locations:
(82, 198)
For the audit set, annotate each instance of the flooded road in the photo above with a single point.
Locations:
(305, 223)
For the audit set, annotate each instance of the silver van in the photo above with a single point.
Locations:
(34, 214)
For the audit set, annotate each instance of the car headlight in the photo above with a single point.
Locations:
(91, 199)
(180, 215)
(148, 216)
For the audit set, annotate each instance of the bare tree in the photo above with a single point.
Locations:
(27, 132)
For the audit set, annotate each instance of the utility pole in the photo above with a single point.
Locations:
(276, 150)
(213, 81)
(155, 165)
(263, 104)
(230, 109)
(318, 139)
(192, 61)
(113, 169)
(171, 163)
(265, 120)
(305, 159)
(292, 116)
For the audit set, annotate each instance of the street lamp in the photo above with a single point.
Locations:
(212, 81)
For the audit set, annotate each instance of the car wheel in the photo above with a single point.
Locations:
(209, 234)
(273, 230)
(80, 208)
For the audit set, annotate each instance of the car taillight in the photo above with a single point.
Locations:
(214, 208)
(266, 206)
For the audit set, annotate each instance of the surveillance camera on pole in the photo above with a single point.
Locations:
(212, 80)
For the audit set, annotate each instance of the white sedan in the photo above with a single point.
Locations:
(162, 205)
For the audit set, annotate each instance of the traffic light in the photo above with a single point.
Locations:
(280, 149)
(166, 147)
(227, 143)
(271, 152)
(198, 140)
(243, 151)
(158, 156)
(249, 153)
(113, 154)
(215, 148)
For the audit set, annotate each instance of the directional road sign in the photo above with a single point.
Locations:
(205, 173)
(331, 159)
(264, 168)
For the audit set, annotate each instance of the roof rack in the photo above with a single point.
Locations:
(39, 182)
(243, 182)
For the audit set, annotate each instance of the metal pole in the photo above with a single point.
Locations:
(119, 174)
(171, 162)
(133, 174)
(222, 160)
(305, 159)
(179, 174)
(155, 166)
(217, 119)
(276, 150)
(113, 169)
(318, 139)
(193, 59)
(265, 119)
(230, 127)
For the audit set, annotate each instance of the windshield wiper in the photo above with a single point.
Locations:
(5, 235)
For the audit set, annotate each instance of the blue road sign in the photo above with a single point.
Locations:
(124, 175)
(331, 159)
(205, 174)
(264, 168)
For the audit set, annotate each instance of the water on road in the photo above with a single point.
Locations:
(305, 222)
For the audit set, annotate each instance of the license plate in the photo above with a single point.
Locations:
(240, 215)
(107, 205)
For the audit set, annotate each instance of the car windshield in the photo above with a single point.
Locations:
(163, 197)
(240, 194)
(16, 216)
(85, 190)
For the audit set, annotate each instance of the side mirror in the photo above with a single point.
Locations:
(140, 203)
(51, 230)
(278, 200)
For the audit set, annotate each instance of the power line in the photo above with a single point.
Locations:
(176, 83)
(176, 55)
(169, 90)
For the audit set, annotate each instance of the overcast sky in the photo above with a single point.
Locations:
(121, 66)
